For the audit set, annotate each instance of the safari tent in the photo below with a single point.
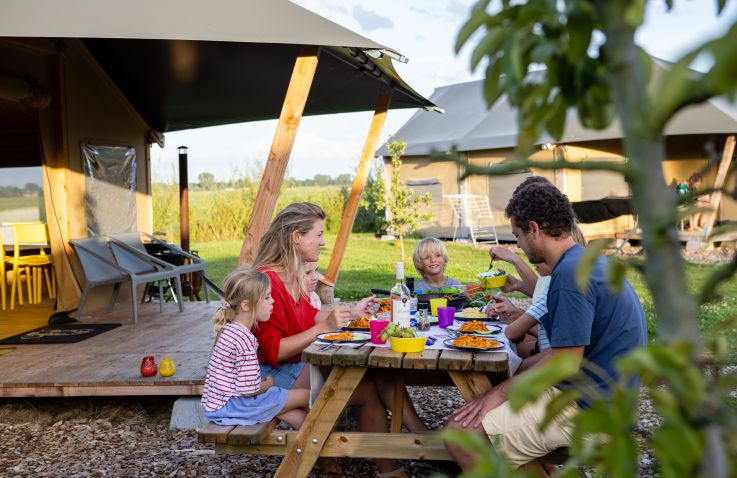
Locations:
(109, 78)
(488, 136)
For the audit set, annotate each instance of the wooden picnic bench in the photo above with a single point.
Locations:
(469, 372)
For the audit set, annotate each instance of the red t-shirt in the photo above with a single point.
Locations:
(287, 319)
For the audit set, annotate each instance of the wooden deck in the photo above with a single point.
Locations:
(109, 364)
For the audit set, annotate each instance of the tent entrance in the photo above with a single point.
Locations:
(21, 200)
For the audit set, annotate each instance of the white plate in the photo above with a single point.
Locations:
(493, 329)
(358, 337)
(449, 343)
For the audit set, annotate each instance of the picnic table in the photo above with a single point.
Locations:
(471, 373)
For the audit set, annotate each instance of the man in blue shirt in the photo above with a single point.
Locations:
(596, 325)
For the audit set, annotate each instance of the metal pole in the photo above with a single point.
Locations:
(183, 199)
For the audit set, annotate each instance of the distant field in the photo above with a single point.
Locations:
(369, 263)
(17, 203)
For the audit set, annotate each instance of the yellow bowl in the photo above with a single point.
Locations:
(407, 345)
(493, 281)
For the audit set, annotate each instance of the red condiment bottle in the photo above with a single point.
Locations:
(148, 366)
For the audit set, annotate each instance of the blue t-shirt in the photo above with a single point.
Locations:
(606, 324)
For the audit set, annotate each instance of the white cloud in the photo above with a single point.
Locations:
(369, 20)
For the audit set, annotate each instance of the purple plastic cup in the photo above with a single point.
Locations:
(446, 315)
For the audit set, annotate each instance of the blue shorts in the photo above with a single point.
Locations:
(285, 375)
(250, 410)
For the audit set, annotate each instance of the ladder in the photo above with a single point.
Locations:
(474, 212)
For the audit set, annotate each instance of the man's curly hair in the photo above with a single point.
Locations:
(543, 203)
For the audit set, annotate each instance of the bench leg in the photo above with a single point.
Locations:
(302, 453)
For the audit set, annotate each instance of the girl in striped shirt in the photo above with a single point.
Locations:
(234, 392)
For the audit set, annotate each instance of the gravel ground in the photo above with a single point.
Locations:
(130, 436)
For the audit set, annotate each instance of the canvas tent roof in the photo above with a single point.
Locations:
(188, 63)
(469, 126)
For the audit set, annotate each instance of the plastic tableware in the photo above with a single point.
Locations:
(492, 282)
(437, 302)
(376, 327)
(445, 316)
(407, 345)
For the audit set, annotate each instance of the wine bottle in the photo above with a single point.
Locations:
(400, 298)
(412, 302)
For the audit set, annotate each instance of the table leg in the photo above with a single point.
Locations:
(470, 384)
(301, 454)
(397, 404)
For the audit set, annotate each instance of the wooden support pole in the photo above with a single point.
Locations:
(716, 196)
(359, 182)
(183, 199)
(281, 147)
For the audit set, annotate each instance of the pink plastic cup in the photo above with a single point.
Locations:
(377, 327)
(446, 315)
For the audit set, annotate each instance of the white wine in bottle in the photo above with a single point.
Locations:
(400, 299)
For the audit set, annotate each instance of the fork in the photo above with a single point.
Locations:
(491, 263)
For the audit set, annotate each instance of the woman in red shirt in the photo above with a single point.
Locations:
(294, 237)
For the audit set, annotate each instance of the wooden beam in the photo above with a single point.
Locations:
(359, 182)
(281, 148)
(716, 196)
(401, 446)
(302, 452)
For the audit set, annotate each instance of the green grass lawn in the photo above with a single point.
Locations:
(369, 262)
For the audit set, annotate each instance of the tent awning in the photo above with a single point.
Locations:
(188, 64)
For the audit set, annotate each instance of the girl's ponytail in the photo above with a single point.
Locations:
(242, 284)
(223, 315)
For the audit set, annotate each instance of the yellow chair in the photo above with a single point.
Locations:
(36, 266)
(3, 272)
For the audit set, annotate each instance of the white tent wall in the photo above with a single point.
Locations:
(97, 113)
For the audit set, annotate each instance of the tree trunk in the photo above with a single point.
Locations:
(655, 202)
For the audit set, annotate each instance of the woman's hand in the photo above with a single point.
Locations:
(363, 307)
(338, 317)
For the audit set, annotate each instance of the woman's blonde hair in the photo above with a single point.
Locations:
(428, 245)
(277, 248)
(242, 284)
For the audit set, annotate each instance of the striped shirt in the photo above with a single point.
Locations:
(233, 369)
(539, 308)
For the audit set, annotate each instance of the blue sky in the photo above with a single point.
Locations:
(425, 32)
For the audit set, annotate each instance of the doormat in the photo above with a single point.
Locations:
(59, 334)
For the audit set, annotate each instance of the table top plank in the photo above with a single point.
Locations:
(425, 360)
(385, 358)
(455, 360)
(490, 362)
(348, 356)
(314, 355)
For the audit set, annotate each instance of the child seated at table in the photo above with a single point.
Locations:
(234, 392)
(430, 259)
(525, 322)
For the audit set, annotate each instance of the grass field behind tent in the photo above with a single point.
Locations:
(369, 262)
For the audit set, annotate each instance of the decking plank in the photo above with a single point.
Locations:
(109, 363)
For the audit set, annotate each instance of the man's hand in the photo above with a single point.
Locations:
(503, 254)
(474, 411)
(513, 284)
